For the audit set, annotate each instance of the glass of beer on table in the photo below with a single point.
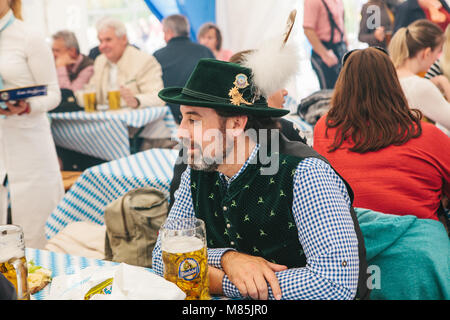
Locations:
(89, 98)
(114, 98)
(13, 264)
(184, 254)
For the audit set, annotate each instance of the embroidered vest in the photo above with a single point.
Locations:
(254, 215)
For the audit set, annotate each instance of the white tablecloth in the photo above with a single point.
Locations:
(104, 134)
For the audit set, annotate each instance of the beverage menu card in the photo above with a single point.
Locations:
(22, 93)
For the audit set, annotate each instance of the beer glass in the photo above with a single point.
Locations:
(184, 254)
(13, 264)
(89, 99)
(114, 99)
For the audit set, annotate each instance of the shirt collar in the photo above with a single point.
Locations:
(242, 169)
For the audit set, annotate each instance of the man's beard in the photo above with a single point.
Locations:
(198, 160)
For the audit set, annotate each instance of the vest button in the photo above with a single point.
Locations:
(232, 243)
(228, 226)
(225, 208)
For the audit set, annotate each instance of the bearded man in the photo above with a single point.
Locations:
(279, 220)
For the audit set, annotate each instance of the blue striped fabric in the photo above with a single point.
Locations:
(100, 185)
(306, 130)
(104, 134)
(60, 264)
(299, 122)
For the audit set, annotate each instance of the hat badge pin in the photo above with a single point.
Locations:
(240, 82)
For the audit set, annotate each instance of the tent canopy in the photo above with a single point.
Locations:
(197, 12)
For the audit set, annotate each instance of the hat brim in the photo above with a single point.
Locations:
(175, 96)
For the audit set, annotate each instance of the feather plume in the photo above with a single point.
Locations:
(273, 64)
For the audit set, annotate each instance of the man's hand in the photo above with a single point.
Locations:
(64, 60)
(20, 107)
(329, 58)
(128, 97)
(251, 275)
(379, 34)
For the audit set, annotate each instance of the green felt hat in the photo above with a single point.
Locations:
(221, 85)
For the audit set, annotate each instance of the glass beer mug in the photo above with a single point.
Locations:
(184, 254)
(89, 98)
(13, 264)
(114, 98)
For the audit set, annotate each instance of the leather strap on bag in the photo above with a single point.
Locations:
(127, 234)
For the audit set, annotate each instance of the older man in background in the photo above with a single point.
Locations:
(73, 68)
(122, 67)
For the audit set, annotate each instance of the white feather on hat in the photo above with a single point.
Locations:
(273, 63)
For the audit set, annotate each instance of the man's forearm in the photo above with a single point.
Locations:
(215, 280)
(298, 284)
(315, 42)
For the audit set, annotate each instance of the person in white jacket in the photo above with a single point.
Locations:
(28, 161)
(137, 74)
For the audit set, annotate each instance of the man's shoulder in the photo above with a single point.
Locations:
(100, 61)
(185, 44)
(133, 52)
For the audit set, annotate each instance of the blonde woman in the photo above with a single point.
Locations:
(413, 50)
(28, 160)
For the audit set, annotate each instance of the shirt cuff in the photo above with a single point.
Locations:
(215, 256)
(229, 289)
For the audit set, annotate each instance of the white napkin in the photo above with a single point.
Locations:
(129, 283)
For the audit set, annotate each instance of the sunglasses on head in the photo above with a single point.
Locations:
(348, 53)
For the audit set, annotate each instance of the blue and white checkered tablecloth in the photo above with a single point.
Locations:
(60, 264)
(104, 134)
(66, 264)
(98, 186)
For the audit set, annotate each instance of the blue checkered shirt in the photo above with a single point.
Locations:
(321, 209)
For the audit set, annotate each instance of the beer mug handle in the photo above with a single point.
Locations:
(17, 264)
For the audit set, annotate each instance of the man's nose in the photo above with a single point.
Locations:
(183, 132)
(101, 47)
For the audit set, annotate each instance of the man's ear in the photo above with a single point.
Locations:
(237, 124)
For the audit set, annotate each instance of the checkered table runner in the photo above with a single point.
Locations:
(104, 134)
(100, 185)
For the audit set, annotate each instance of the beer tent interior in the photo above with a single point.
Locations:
(244, 25)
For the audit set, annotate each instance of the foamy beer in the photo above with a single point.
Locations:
(114, 99)
(90, 101)
(184, 254)
(13, 264)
